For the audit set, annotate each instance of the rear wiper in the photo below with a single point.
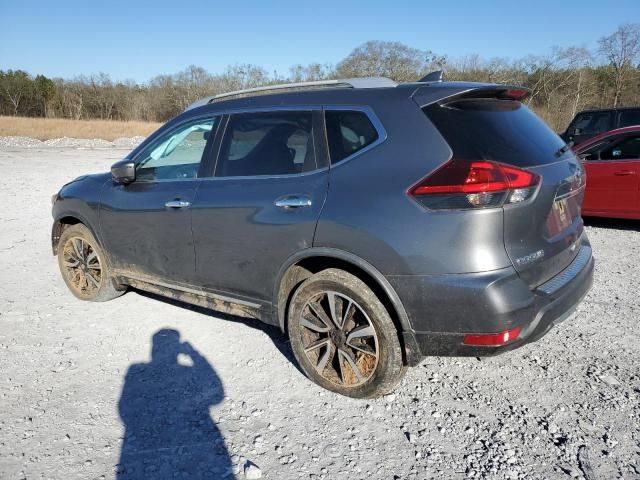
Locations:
(562, 150)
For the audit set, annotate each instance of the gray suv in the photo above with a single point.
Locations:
(375, 223)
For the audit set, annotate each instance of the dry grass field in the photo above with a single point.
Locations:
(46, 128)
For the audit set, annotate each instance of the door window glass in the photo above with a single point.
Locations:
(593, 152)
(176, 155)
(267, 143)
(627, 149)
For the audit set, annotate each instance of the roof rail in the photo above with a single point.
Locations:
(364, 82)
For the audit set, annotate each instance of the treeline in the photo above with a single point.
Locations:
(562, 82)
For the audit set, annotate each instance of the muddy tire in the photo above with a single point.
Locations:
(84, 266)
(343, 337)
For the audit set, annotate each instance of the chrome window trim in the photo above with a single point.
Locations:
(136, 158)
(258, 177)
(368, 111)
(295, 108)
(373, 118)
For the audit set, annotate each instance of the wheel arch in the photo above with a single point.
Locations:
(64, 221)
(302, 265)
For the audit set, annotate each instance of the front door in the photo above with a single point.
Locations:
(262, 204)
(613, 178)
(146, 225)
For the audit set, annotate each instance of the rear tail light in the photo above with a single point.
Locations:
(460, 184)
(492, 339)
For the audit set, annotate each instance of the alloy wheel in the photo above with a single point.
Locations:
(82, 266)
(339, 339)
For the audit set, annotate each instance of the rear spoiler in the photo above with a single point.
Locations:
(447, 92)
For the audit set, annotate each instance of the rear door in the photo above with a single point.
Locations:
(541, 232)
(262, 203)
(613, 173)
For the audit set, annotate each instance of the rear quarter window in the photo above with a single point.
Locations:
(348, 132)
(629, 118)
(504, 131)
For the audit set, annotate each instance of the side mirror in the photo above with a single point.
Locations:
(123, 172)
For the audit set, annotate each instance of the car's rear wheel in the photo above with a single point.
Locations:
(84, 267)
(343, 337)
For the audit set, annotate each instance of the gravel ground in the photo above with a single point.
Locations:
(28, 142)
(82, 396)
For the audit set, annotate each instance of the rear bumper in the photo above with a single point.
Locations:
(490, 303)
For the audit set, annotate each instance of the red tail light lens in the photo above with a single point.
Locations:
(492, 339)
(515, 93)
(475, 184)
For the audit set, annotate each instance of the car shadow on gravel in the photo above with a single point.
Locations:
(280, 341)
(164, 407)
(613, 223)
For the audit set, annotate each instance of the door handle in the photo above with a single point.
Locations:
(177, 204)
(622, 173)
(293, 201)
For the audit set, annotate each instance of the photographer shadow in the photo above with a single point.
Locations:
(165, 410)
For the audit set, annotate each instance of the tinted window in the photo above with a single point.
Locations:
(273, 143)
(627, 149)
(629, 117)
(500, 130)
(348, 132)
(593, 152)
(177, 154)
(591, 123)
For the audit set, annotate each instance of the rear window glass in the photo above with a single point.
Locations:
(348, 132)
(504, 131)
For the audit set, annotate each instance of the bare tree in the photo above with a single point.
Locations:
(563, 82)
(15, 85)
(622, 50)
(387, 59)
(311, 72)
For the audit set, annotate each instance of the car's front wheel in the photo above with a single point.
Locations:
(343, 337)
(84, 267)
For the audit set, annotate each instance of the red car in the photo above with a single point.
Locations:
(612, 162)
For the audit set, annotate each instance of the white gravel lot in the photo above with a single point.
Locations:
(566, 406)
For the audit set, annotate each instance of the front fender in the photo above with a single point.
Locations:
(79, 202)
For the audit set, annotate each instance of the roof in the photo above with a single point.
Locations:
(363, 82)
(367, 91)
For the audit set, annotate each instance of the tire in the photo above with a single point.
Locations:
(367, 339)
(84, 267)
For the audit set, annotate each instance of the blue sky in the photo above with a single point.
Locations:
(140, 39)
